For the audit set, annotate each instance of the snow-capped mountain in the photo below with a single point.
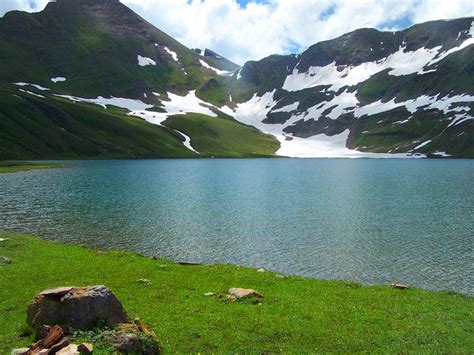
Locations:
(368, 91)
(90, 78)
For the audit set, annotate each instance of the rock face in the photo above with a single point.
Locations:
(76, 307)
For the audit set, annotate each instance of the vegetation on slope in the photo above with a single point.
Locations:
(55, 128)
(14, 167)
(296, 315)
(223, 137)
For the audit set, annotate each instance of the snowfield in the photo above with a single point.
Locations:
(401, 62)
(254, 111)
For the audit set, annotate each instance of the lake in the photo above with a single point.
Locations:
(375, 221)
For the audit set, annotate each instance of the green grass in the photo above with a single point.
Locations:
(223, 137)
(296, 315)
(14, 167)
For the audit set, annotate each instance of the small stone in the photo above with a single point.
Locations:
(400, 286)
(69, 350)
(44, 352)
(144, 281)
(244, 293)
(5, 260)
(3, 239)
(20, 351)
(85, 348)
(278, 276)
(261, 270)
(208, 294)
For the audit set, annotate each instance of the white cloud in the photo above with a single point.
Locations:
(276, 26)
(23, 5)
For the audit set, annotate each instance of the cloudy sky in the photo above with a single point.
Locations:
(251, 29)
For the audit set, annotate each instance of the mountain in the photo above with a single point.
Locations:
(388, 92)
(81, 78)
(92, 79)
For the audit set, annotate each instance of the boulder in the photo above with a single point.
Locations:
(78, 307)
(5, 260)
(20, 351)
(243, 293)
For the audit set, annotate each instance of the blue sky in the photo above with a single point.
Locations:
(251, 29)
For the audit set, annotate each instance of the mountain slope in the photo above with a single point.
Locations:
(81, 78)
(387, 92)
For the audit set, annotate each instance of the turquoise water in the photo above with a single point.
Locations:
(373, 221)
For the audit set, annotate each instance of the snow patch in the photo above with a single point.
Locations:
(129, 104)
(187, 141)
(217, 71)
(144, 61)
(422, 144)
(31, 93)
(58, 79)
(172, 54)
(39, 87)
(177, 105)
(442, 154)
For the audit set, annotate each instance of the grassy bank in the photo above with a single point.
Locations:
(295, 315)
(14, 167)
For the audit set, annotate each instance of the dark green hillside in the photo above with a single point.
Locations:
(55, 128)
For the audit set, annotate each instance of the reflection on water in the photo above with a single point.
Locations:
(374, 221)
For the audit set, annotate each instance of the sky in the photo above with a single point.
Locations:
(244, 30)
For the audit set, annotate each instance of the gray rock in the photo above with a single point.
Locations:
(20, 351)
(243, 293)
(77, 307)
(5, 260)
